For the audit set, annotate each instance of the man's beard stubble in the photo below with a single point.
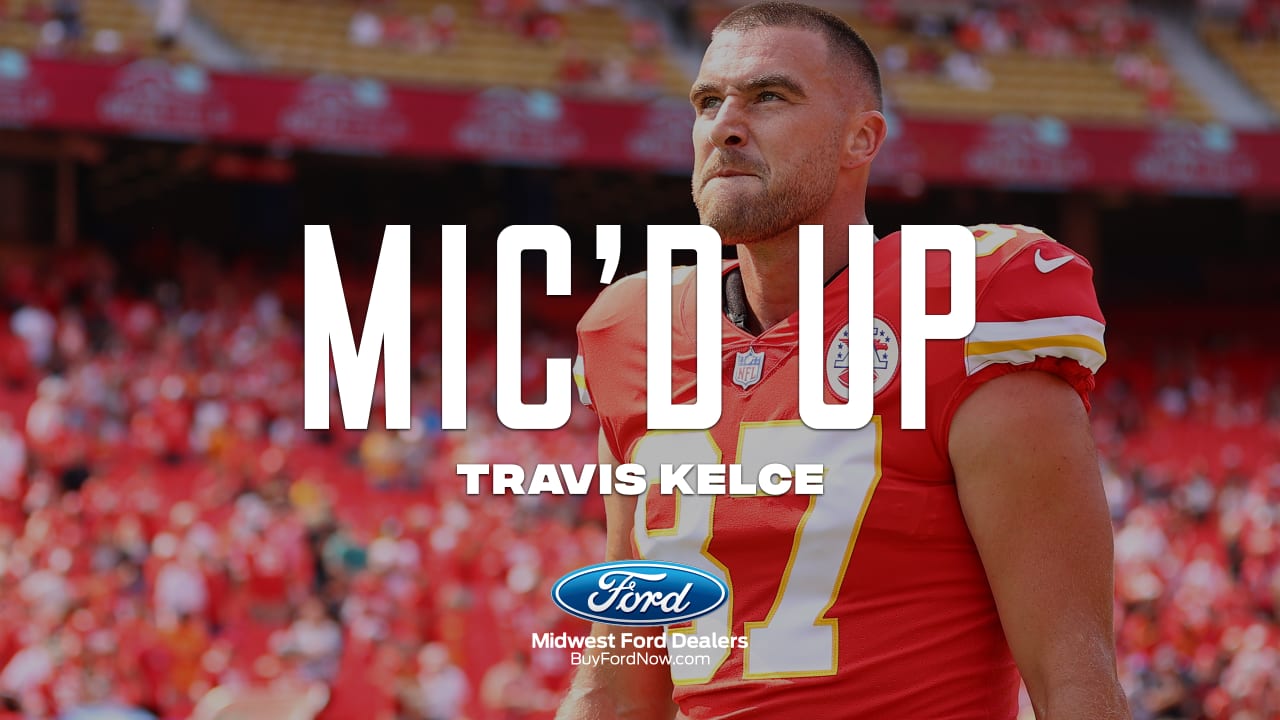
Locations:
(780, 206)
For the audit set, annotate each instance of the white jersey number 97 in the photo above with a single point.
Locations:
(795, 639)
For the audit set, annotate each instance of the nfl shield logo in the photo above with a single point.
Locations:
(748, 368)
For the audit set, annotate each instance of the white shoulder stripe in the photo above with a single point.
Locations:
(1088, 358)
(1041, 327)
(1074, 337)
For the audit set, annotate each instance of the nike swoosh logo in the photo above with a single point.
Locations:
(1048, 266)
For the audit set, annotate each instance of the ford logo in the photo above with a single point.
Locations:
(639, 592)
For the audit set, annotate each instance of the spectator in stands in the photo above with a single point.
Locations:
(881, 13)
(67, 14)
(968, 34)
(28, 672)
(1258, 22)
(13, 460)
(1132, 69)
(108, 42)
(397, 29)
(315, 641)
(931, 26)
(1160, 92)
(185, 643)
(926, 60)
(895, 58)
(543, 27)
(1049, 41)
(171, 16)
(615, 78)
(1113, 34)
(996, 32)
(37, 328)
(444, 26)
(643, 35)
(382, 454)
(963, 70)
(443, 687)
(645, 76)
(510, 690)
(181, 589)
(575, 70)
(365, 29)
(1164, 688)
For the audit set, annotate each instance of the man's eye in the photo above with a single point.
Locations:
(707, 103)
(770, 96)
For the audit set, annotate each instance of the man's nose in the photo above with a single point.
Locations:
(730, 126)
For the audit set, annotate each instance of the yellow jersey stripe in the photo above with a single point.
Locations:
(1087, 358)
(1030, 344)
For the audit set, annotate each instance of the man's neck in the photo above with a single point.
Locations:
(770, 274)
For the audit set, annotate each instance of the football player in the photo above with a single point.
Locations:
(938, 566)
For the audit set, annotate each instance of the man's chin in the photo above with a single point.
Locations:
(735, 234)
(724, 229)
(726, 218)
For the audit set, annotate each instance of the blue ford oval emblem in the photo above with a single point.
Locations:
(639, 592)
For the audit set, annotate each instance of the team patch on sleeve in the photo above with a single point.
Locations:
(580, 380)
(1073, 337)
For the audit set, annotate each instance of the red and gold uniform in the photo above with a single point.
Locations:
(870, 600)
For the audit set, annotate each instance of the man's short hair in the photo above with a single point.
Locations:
(843, 42)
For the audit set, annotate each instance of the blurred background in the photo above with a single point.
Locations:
(173, 544)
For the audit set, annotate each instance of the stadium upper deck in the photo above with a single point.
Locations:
(1092, 61)
(460, 43)
(1255, 58)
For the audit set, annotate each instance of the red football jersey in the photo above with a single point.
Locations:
(869, 600)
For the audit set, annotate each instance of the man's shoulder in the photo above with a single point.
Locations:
(1010, 258)
(624, 302)
(999, 244)
(1036, 306)
(620, 302)
(1025, 263)
(994, 244)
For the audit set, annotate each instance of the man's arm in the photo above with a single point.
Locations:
(1027, 475)
(619, 692)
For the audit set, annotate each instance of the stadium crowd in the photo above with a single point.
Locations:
(1190, 441)
(61, 28)
(623, 69)
(955, 42)
(1096, 28)
(166, 526)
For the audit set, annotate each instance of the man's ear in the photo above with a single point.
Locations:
(866, 134)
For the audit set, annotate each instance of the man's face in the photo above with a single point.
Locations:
(768, 132)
